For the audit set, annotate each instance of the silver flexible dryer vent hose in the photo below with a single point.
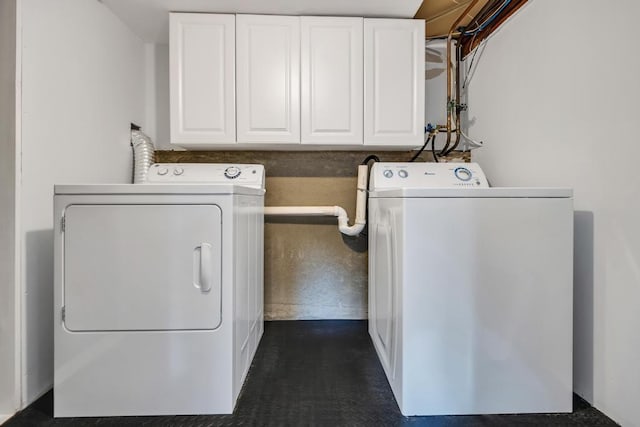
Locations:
(143, 155)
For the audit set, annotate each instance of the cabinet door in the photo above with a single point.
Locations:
(202, 78)
(331, 80)
(394, 63)
(268, 78)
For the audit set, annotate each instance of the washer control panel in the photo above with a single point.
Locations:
(207, 173)
(427, 175)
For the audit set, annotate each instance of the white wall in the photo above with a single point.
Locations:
(157, 95)
(8, 324)
(556, 99)
(83, 83)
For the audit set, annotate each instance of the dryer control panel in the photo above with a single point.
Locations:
(207, 173)
(427, 175)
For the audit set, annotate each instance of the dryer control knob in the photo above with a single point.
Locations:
(163, 171)
(403, 173)
(178, 171)
(232, 172)
(388, 173)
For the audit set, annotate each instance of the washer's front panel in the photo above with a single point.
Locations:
(142, 267)
(487, 306)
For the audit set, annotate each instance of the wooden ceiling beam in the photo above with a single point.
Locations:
(470, 42)
(441, 14)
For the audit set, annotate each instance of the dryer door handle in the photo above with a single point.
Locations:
(204, 271)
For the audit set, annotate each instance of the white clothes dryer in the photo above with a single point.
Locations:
(158, 291)
(470, 291)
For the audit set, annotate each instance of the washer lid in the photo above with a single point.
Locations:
(493, 192)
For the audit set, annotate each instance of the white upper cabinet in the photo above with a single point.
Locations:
(268, 78)
(202, 88)
(250, 81)
(394, 82)
(331, 80)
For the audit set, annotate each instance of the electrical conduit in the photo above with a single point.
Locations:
(337, 211)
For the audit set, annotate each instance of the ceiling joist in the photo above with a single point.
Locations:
(439, 15)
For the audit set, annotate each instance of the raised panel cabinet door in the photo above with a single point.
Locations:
(394, 63)
(331, 78)
(202, 78)
(268, 78)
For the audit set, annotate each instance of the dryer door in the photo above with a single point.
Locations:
(142, 267)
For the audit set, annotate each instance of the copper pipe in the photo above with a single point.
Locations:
(458, 102)
(449, 39)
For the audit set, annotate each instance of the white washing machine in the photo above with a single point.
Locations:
(470, 291)
(158, 291)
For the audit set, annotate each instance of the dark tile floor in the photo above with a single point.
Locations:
(315, 373)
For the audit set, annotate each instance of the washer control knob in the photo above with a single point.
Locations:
(403, 173)
(463, 174)
(163, 171)
(178, 171)
(388, 173)
(232, 172)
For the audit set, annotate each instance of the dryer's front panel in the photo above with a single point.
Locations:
(142, 267)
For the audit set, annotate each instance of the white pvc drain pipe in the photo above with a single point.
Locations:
(337, 211)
